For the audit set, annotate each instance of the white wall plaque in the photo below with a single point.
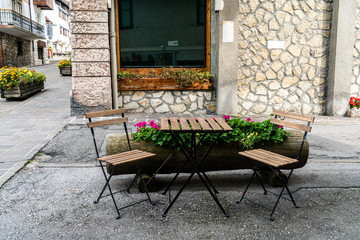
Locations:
(174, 43)
(228, 31)
(275, 44)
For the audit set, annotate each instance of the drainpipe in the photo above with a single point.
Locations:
(113, 57)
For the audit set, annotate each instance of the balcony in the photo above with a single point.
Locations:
(44, 4)
(17, 25)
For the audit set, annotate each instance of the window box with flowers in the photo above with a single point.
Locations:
(166, 79)
(19, 83)
(354, 111)
(65, 67)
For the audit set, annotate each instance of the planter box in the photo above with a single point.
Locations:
(22, 91)
(221, 157)
(66, 71)
(354, 113)
(157, 84)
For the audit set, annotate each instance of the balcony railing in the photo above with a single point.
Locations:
(10, 17)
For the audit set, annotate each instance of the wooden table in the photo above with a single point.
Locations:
(194, 126)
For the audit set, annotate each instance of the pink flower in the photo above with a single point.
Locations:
(248, 120)
(280, 126)
(140, 124)
(226, 117)
(153, 125)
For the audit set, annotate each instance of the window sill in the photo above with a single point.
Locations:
(151, 84)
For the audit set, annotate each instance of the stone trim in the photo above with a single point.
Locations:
(91, 56)
(171, 102)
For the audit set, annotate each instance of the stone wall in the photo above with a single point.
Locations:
(91, 56)
(355, 80)
(293, 78)
(11, 48)
(175, 102)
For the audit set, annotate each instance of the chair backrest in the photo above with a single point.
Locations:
(104, 122)
(299, 122)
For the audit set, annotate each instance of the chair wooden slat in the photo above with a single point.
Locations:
(184, 124)
(165, 124)
(291, 125)
(223, 124)
(294, 116)
(123, 154)
(194, 124)
(267, 157)
(126, 157)
(274, 156)
(107, 122)
(174, 124)
(204, 124)
(105, 113)
(213, 124)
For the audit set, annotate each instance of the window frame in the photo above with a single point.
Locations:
(148, 70)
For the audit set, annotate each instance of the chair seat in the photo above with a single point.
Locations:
(267, 157)
(125, 157)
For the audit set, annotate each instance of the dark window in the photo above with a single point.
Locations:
(20, 50)
(165, 33)
(125, 14)
(201, 12)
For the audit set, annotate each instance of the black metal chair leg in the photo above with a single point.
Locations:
(243, 195)
(132, 183)
(146, 190)
(107, 179)
(277, 201)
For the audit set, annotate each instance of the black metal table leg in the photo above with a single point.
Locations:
(196, 170)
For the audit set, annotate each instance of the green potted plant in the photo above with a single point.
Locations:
(20, 82)
(65, 67)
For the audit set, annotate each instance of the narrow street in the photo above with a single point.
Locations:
(26, 126)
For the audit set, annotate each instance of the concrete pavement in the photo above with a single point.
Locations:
(51, 197)
(26, 126)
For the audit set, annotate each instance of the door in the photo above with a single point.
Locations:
(3, 61)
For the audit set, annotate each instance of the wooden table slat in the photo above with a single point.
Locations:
(174, 124)
(164, 123)
(194, 124)
(204, 125)
(184, 124)
(213, 124)
(223, 124)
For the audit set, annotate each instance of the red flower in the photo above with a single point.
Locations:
(248, 120)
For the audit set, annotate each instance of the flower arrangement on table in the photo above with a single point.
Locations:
(354, 107)
(248, 133)
(11, 77)
(64, 63)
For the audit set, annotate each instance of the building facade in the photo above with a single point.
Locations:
(22, 32)
(58, 28)
(300, 56)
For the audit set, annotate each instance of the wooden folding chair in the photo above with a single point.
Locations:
(275, 161)
(115, 161)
